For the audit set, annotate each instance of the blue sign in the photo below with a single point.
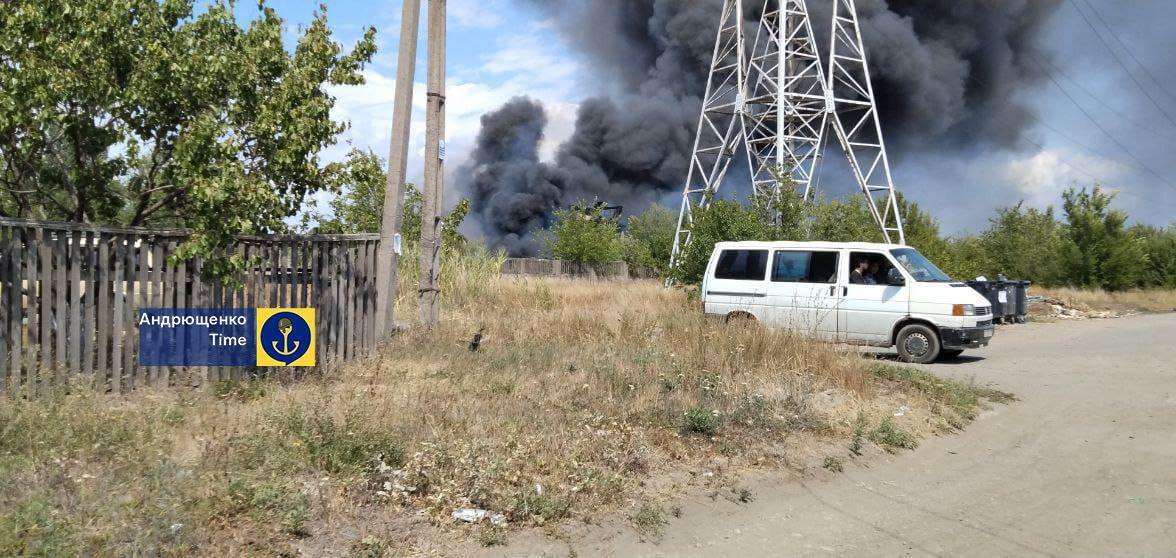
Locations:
(197, 337)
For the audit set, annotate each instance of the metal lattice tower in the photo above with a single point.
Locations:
(773, 98)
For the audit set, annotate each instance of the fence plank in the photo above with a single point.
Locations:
(297, 262)
(16, 310)
(88, 307)
(182, 376)
(171, 293)
(142, 299)
(6, 286)
(336, 302)
(60, 329)
(45, 295)
(348, 300)
(102, 293)
(283, 274)
(199, 300)
(74, 336)
(364, 258)
(156, 280)
(118, 254)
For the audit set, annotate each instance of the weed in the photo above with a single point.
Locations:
(502, 387)
(700, 420)
(859, 434)
(242, 391)
(35, 528)
(744, 495)
(490, 535)
(834, 464)
(270, 500)
(540, 507)
(676, 511)
(298, 440)
(670, 382)
(369, 547)
(892, 438)
(650, 520)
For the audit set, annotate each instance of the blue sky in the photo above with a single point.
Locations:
(499, 49)
(496, 51)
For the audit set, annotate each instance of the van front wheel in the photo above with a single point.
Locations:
(918, 343)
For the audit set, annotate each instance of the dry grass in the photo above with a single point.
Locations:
(1117, 303)
(580, 394)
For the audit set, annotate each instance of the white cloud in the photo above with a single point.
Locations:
(476, 13)
(1042, 177)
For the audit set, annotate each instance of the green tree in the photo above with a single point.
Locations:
(1159, 246)
(143, 112)
(584, 234)
(1025, 243)
(922, 231)
(720, 221)
(649, 239)
(847, 220)
(359, 207)
(1100, 252)
(965, 259)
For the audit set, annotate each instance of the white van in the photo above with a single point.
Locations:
(880, 295)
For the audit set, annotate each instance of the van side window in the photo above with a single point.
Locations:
(742, 265)
(875, 274)
(805, 267)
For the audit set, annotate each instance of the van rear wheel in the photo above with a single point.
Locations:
(918, 343)
(740, 319)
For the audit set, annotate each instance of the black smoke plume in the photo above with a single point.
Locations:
(944, 71)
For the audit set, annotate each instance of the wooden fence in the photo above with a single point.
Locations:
(70, 295)
(608, 271)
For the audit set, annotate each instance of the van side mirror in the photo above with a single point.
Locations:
(895, 279)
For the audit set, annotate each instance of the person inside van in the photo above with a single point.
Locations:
(874, 275)
(858, 275)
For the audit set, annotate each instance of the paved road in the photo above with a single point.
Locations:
(1083, 465)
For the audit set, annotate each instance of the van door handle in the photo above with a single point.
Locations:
(844, 291)
(832, 290)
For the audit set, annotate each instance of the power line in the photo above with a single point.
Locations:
(1126, 48)
(1066, 161)
(1133, 120)
(1119, 60)
(1107, 133)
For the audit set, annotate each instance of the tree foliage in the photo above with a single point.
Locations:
(359, 207)
(649, 239)
(144, 112)
(584, 234)
(1100, 250)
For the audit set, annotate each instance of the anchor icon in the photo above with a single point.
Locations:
(285, 326)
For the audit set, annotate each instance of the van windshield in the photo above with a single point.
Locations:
(919, 266)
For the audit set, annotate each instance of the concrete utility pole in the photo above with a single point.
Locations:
(430, 289)
(388, 260)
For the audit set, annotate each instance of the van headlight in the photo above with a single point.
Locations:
(963, 310)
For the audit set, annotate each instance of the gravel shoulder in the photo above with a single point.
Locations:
(1084, 464)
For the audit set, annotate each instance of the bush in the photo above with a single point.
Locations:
(650, 239)
(700, 420)
(583, 234)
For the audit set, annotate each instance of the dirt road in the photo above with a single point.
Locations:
(1084, 464)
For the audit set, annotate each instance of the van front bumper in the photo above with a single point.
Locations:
(967, 338)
